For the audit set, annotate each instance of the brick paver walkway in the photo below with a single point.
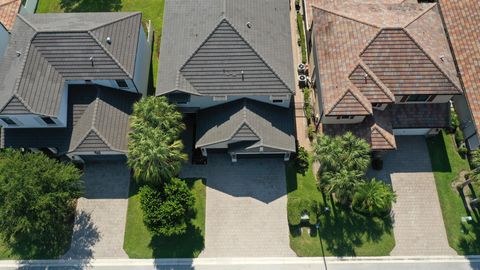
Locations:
(418, 228)
(246, 213)
(100, 221)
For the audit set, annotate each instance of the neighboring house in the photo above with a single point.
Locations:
(68, 82)
(230, 62)
(381, 69)
(462, 21)
(8, 13)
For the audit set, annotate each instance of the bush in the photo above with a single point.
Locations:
(301, 160)
(37, 202)
(454, 122)
(166, 213)
(373, 197)
(311, 132)
(308, 105)
(302, 37)
(459, 137)
(462, 151)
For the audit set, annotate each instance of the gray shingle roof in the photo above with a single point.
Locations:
(246, 120)
(205, 48)
(98, 120)
(45, 50)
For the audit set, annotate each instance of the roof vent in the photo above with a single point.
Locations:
(18, 53)
(249, 25)
(243, 76)
(442, 57)
(91, 60)
(109, 40)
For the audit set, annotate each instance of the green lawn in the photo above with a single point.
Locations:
(140, 243)
(343, 232)
(447, 164)
(151, 10)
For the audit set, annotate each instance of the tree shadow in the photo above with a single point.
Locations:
(347, 230)
(91, 5)
(291, 175)
(85, 236)
(438, 154)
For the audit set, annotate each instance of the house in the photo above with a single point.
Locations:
(8, 13)
(462, 20)
(380, 69)
(230, 63)
(68, 82)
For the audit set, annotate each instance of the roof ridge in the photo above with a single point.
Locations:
(376, 80)
(27, 23)
(224, 19)
(109, 54)
(421, 14)
(432, 60)
(117, 20)
(344, 16)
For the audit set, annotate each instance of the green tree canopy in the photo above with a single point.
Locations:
(166, 213)
(342, 152)
(37, 202)
(154, 148)
(373, 197)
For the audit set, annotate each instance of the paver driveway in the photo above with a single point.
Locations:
(246, 213)
(418, 227)
(100, 221)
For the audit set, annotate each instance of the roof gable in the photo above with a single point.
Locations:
(350, 104)
(226, 64)
(370, 87)
(15, 106)
(399, 62)
(91, 142)
(245, 133)
(381, 140)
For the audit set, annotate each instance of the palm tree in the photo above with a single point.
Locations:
(341, 183)
(346, 151)
(373, 197)
(154, 147)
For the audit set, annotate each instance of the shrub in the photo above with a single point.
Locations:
(301, 160)
(302, 37)
(462, 151)
(308, 105)
(311, 132)
(459, 137)
(454, 122)
(166, 213)
(37, 202)
(373, 197)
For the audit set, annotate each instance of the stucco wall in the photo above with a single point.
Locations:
(334, 120)
(142, 63)
(437, 99)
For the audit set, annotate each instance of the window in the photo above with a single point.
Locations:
(345, 117)
(48, 121)
(121, 83)
(277, 100)
(179, 98)
(377, 105)
(219, 98)
(8, 121)
(418, 98)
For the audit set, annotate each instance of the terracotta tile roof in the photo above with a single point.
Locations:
(376, 130)
(462, 20)
(376, 50)
(8, 12)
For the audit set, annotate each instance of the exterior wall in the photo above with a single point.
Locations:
(334, 120)
(142, 63)
(62, 115)
(203, 102)
(4, 37)
(382, 108)
(30, 121)
(29, 8)
(437, 99)
(416, 131)
(467, 125)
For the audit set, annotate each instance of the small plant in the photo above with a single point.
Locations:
(462, 151)
(454, 122)
(459, 137)
(311, 132)
(301, 160)
(166, 212)
(373, 197)
(302, 37)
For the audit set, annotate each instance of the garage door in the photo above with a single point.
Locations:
(411, 131)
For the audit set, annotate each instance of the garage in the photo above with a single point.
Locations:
(411, 131)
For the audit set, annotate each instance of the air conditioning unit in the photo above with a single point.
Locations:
(302, 80)
(301, 69)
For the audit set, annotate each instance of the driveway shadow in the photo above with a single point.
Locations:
(85, 236)
(262, 179)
